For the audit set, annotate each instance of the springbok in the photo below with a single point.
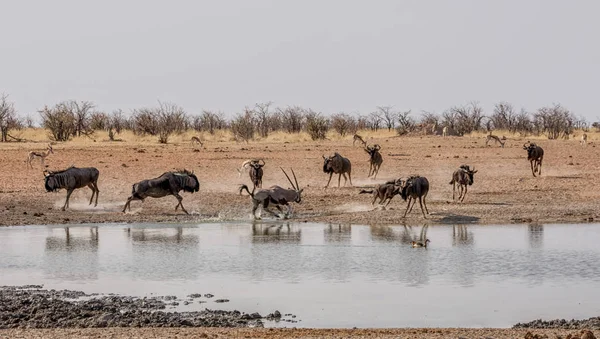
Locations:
(583, 140)
(42, 155)
(445, 131)
(196, 140)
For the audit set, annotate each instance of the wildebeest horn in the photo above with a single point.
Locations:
(263, 162)
(288, 178)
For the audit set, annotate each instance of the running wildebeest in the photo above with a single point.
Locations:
(463, 177)
(275, 195)
(412, 188)
(535, 155)
(71, 179)
(383, 192)
(339, 165)
(169, 183)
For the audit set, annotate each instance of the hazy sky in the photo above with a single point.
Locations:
(331, 56)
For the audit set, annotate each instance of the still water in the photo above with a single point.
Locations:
(328, 275)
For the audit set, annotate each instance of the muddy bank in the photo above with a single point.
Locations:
(34, 307)
(591, 323)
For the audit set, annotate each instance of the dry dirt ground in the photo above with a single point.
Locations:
(504, 190)
(131, 333)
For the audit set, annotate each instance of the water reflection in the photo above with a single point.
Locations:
(72, 254)
(461, 236)
(264, 233)
(337, 233)
(163, 253)
(403, 234)
(536, 235)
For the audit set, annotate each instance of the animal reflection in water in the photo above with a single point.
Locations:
(163, 236)
(71, 242)
(461, 236)
(263, 233)
(422, 241)
(536, 235)
(337, 233)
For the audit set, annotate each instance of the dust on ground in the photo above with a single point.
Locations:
(504, 190)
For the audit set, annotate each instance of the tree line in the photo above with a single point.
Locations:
(69, 119)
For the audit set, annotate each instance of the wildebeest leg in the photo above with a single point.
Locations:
(179, 198)
(375, 171)
(425, 202)
(91, 186)
(254, 208)
(374, 198)
(389, 200)
(532, 171)
(422, 210)
(540, 168)
(350, 177)
(453, 189)
(67, 201)
(464, 194)
(370, 169)
(407, 206)
(330, 175)
(340, 179)
(97, 193)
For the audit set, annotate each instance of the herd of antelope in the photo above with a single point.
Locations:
(411, 188)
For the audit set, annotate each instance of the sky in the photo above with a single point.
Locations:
(332, 56)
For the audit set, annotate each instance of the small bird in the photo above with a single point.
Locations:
(420, 244)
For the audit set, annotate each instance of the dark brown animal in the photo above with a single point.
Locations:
(383, 192)
(375, 160)
(256, 172)
(463, 177)
(413, 188)
(535, 155)
(339, 165)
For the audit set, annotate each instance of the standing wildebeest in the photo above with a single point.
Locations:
(463, 177)
(412, 188)
(339, 165)
(383, 192)
(256, 172)
(375, 160)
(169, 183)
(535, 155)
(71, 179)
(275, 195)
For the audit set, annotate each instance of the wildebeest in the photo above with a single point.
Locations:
(169, 183)
(535, 155)
(339, 165)
(375, 160)
(275, 195)
(383, 192)
(412, 188)
(71, 179)
(463, 177)
(256, 172)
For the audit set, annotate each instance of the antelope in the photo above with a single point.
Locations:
(71, 179)
(360, 139)
(256, 172)
(169, 183)
(42, 155)
(275, 195)
(375, 160)
(383, 192)
(339, 165)
(535, 155)
(496, 140)
(463, 177)
(412, 188)
(445, 131)
(196, 140)
(583, 140)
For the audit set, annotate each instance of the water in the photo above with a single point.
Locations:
(328, 275)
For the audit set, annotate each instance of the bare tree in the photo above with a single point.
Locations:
(343, 123)
(503, 117)
(242, 126)
(99, 121)
(316, 125)
(406, 123)
(262, 117)
(556, 121)
(82, 112)
(467, 118)
(388, 116)
(374, 121)
(8, 118)
(59, 120)
(291, 118)
(162, 121)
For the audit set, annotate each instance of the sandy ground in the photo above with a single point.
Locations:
(286, 333)
(504, 190)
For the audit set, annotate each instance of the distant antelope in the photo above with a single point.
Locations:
(360, 139)
(413, 188)
(445, 131)
(275, 195)
(463, 177)
(496, 140)
(339, 165)
(383, 192)
(535, 155)
(375, 160)
(42, 155)
(583, 140)
(196, 140)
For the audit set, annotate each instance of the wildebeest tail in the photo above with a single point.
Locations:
(365, 192)
(244, 187)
